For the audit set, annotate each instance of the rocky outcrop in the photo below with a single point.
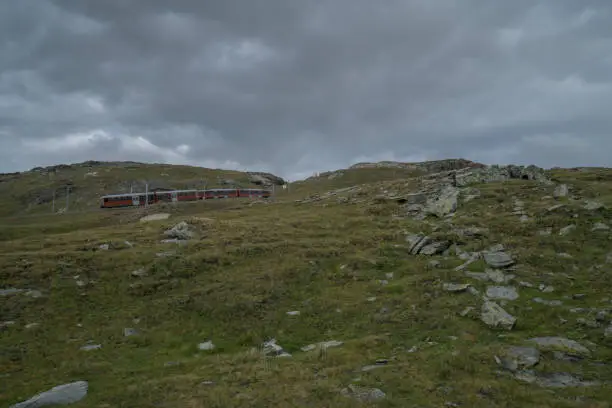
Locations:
(265, 179)
(432, 166)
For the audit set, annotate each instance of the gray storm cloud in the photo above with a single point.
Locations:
(295, 87)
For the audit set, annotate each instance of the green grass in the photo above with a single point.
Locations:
(254, 264)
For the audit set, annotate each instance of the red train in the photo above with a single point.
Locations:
(139, 199)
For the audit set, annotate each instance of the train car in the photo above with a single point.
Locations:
(126, 200)
(220, 193)
(139, 199)
(253, 193)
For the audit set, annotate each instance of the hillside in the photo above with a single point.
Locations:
(33, 191)
(388, 286)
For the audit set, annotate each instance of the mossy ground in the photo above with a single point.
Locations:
(255, 263)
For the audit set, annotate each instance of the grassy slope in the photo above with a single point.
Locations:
(17, 194)
(253, 265)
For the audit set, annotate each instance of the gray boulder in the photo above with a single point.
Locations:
(60, 395)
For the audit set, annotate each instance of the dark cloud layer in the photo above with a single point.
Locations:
(292, 86)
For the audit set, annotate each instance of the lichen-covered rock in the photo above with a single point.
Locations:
(493, 315)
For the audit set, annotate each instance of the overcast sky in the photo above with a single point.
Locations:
(297, 86)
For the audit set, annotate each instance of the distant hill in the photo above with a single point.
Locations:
(33, 191)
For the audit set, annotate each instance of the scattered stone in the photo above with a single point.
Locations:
(181, 231)
(608, 332)
(593, 205)
(566, 230)
(561, 190)
(601, 316)
(525, 284)
(89, 347)
(600, 226)
(473, 291)
(363, 394)
(545, 232)
(546, 289)
(271, 349)
(206, 346)
(466, 311)
(435, 264)
(588, 323)
(555, 207)
(31, 325)
(547, 302)
(422, 244)
(324, 345)
(524, 218)
(10, 291)
(173, 241)
(502, 292)
(481, 276)
(498, 276)
(519, 358)
(560, 343)
(155, 217)
(473, 258)
(293, 313)
(389, 275)
(455, 287)
(61, 395)
(104, 247)
(8, 323)
(129, 331)
(564, 255)
(494, 316)
(139, 273)
(498, 259)
(442, 203)
(435, 248)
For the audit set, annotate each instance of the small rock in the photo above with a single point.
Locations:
(608, 332)
(435, 264)
(104, 247)
(31, 325)
(271, 349)
(560, 343)
(466, 311)
(561, 190)
(546, 289)
(455, 287)
(524, 218)
(498, 259)
(498, 276)
(481, 276)
(593, 205)
(129, 331)
(588, 323)
(10, 291)
(89, 347)
(525, 284)
(547, 302)
(494, 315)
(206, 346)
(363, 394)
(61, 395)
(566, 230)
(545, 232)
(293, 313)
(600, 226)
(155, 217)
(502, 292)
(139, 272)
